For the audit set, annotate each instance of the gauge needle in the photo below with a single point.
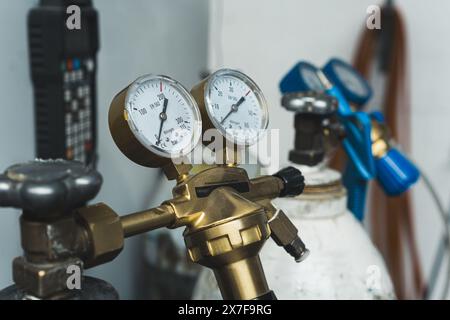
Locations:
(234, 108)
(163, 117)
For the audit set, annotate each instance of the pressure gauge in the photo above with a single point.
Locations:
(233, 104)
(309, 75)
(302, 77)
(349, 81)
(155, 119)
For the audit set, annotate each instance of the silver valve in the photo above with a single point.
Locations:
(48, 188)
(317, 128)
(312, 102)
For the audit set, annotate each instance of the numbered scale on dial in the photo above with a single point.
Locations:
(155, 119)
(232, 103)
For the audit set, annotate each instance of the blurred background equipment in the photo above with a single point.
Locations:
(357, 140)
(367, 140)
(381, 56)
(368, 145)
(168, 272)
(63, 70)
(394, 172)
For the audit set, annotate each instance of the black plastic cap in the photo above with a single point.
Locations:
(293, 181)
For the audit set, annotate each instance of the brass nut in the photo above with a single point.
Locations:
(228, 242)
(105, 233)
(50, 241)
(174, 171)
(283, 230)
(380, 137)
(42, 280)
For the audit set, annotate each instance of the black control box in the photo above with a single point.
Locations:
(63, 70)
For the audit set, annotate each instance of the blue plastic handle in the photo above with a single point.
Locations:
(358, 143)
(396, 173)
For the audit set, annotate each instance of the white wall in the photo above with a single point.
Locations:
(137, 37)
(264, 38)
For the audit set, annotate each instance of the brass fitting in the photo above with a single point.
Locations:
(54, 240)
(380, 139)
(90, 236)
(56, 233)
(147, 220)
(285, 234)
(226, 216)
(104, 231)
(173, 171)
(43, 280)
(230, 246)
(49, 248)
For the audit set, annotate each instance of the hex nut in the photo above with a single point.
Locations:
(104, 231)
(53, 240)
(283, 230)
(42, 280)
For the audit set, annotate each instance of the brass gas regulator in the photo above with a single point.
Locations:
(227, 216)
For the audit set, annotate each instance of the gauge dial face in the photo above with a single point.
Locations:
(311, 78)
(163, 116)
(236, 106)
(351, 80)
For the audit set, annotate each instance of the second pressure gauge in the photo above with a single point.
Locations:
(350, 82)
(232, 103)
(155, 119)
(302, 77)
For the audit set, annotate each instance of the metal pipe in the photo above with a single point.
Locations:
(242, 280)
(147, 220)
(265, 187)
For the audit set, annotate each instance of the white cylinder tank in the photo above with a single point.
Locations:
(342, 264)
